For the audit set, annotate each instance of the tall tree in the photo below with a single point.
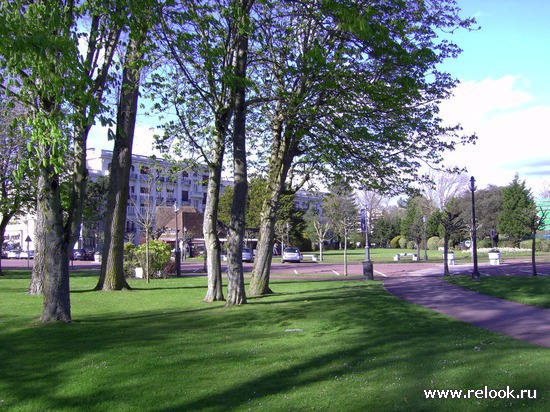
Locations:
(352, 95)
(235, 278)
(517, 209)
(200, 41)
(62, 90)
(112, 263)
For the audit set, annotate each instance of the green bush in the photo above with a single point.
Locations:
(159, 254)
(130, 260)
(403, 242)
(541, 245)
(394, 243)
(485, 243)
(433, 243)
(411, 244)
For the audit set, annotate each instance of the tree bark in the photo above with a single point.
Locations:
(279, 164)
(214, 290)
(53, 263)
(112, 265)
(235, 278)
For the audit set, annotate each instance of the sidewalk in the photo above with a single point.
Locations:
(528, 323)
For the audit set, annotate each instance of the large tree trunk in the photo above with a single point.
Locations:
(53, 263)
(446, 239)
(279, 164)
(214, 291)
(235, 277)
(112, 265)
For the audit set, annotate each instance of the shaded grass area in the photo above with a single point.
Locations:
(329, 346)
(530, 290)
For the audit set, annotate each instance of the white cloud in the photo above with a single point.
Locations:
(513, 132)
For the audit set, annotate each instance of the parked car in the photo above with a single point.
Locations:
(292, 254)
(248, 256)
(13, 254)
(82, 254)
(24, 254)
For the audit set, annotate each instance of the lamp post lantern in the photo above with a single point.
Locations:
(177, 250)
(475, 273)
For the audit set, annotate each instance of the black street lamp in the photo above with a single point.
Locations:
(177, 252)
(475, 273)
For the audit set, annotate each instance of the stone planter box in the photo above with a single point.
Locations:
(139, 273)
(494, 258)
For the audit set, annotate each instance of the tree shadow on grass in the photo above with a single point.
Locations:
(357, 346)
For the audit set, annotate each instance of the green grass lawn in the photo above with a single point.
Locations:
(529, 290)
(328, 346)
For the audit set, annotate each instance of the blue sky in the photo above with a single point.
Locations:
(504, 95)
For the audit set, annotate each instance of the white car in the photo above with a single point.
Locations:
(292, 254)
(13, 254)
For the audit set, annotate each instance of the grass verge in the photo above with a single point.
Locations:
(530, 290)
(327, 345)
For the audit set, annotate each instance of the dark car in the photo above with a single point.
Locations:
(82, 254)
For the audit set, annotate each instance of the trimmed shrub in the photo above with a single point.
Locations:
(394, 243)
(411, 244)
(433, 243)
(403, 242)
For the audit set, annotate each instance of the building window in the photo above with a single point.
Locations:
(204, 198)
(185, 196)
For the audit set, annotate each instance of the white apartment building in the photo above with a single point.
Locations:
(152, 183)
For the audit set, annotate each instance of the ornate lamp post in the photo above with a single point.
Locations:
(475, 273)
(178, 252)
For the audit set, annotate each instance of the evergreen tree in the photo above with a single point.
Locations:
(517, 207)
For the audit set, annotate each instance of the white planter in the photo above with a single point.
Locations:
(494, 258)
(139, 273)
(97, 258)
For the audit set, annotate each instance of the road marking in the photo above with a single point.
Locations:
(381, 274)
(296, 272)
(337, 274)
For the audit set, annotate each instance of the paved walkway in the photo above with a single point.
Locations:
(428, 289)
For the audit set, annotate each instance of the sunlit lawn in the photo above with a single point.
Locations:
(523, 289)
(328, 346)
